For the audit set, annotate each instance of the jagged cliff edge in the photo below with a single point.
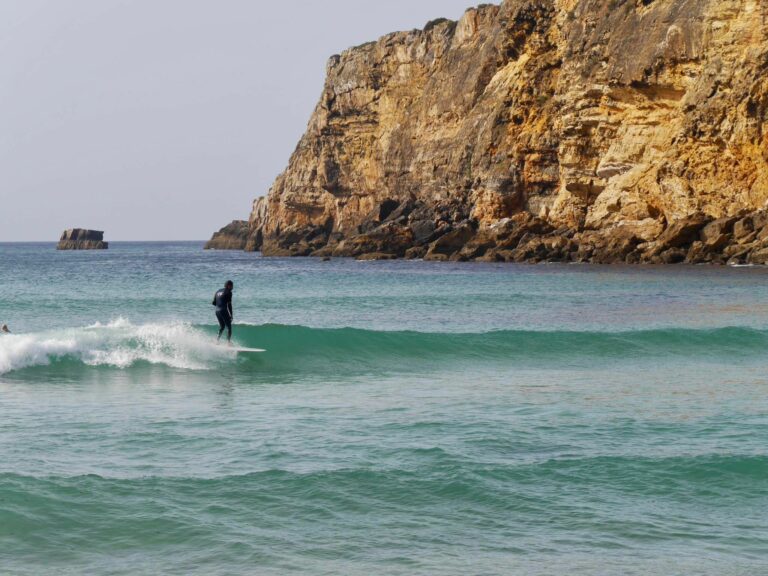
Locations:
(573, 130)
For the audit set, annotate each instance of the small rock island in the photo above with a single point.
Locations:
(81, 239)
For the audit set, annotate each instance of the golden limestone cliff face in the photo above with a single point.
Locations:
(573, 130)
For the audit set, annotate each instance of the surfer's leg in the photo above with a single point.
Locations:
(222, 324)
(229, 329)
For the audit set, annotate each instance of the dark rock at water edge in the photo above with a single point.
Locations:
(415, 233)
(376, 256)
(523, 238)
(232, 237)
(82, 239)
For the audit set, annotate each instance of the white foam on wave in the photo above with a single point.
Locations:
(119, 343)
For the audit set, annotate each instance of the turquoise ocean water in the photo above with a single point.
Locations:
(407, 418)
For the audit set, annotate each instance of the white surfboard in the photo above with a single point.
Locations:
(246, 350)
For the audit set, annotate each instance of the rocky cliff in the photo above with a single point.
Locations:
(573, 130)
(80, 239)
(234, 236)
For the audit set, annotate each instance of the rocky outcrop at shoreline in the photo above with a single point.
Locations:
(81, 239)
(696, 239)
(234, 236)
(567, 130)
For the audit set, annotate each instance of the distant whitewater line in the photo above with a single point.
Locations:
(121, 344)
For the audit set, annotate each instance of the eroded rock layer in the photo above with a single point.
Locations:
(575, 130)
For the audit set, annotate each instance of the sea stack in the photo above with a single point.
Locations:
(539, 130)
(232, 237)
(81, 239)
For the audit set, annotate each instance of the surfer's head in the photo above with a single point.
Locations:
(4, 328)
(229, 285)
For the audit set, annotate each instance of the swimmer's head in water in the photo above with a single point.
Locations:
(4, 328)
(229, 285)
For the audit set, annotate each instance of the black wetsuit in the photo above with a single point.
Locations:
(223, 302)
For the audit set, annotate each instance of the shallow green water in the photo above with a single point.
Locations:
(407, 418)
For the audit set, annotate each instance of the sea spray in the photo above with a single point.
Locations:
(119, 343)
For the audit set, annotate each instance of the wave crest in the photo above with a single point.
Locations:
(121, 344)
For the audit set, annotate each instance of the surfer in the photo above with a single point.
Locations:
(4, 329)
(223, 302)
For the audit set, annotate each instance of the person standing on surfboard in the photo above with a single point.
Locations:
(223, 302)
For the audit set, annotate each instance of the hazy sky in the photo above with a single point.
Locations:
(164, 119)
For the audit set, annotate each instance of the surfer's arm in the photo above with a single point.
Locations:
(229, 307)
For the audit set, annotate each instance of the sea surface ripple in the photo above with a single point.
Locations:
(407, 417)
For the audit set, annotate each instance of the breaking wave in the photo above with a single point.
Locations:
(121, 344)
